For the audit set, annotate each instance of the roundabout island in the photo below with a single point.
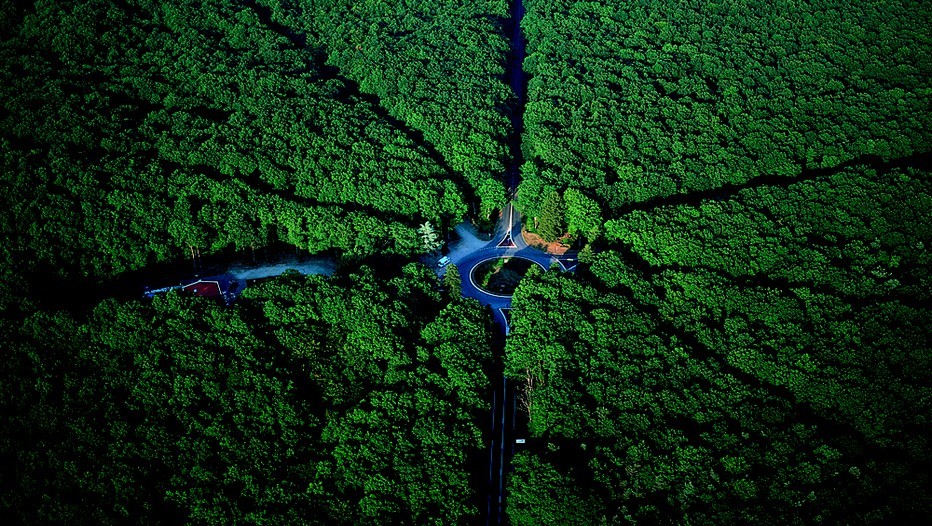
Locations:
(500, 276)
(478, 260)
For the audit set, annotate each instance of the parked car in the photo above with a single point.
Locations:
(444, 261)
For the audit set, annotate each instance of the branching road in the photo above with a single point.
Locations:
(467, 255)
(506, 242)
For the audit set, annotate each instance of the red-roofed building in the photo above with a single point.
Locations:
(208, 289)
(225, 287)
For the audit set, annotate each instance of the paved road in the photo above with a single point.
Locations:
(506, 242)
(468, 253)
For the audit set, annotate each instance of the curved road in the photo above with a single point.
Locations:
(466, 255)
(506, 242)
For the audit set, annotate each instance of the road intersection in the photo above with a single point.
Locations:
(506, 242)
(467, 254)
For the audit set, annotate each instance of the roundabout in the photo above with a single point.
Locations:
(506, 243)
(499, 276)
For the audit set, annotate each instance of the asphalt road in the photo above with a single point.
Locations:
(467, 254)
(506, 242)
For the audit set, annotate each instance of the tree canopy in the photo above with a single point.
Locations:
(131, 132)
(747, 339)
(721, 403)
(638, 100)
(311, 401)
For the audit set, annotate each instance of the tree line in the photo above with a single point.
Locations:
(639, 100)
(352, 400)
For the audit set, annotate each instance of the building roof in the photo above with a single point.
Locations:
(224, 286)
(207, 288)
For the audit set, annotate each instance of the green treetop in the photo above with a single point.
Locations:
(551, 221)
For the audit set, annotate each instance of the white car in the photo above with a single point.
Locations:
(444, 261)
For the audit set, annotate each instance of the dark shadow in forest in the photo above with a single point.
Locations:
(919, 160)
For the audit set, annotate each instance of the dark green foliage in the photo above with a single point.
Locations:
(859, 232)
(634, 100)
(131, 133)
(746, 342)
(551, 222)
(646, 410)
(807, 279)
(501, 276)
(453, 281)
(310, 402)
(542, 495)
(751, 343)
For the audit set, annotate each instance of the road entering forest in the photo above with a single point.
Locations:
(467, 255)
(518, 82)
(506, 242)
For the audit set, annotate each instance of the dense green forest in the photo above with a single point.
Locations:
(637, 100)
(687, 398)
(346, 401)
(745, 339)
(760, 359)
(135, 132)
(437, 65)
(143, 132)
(749, 339)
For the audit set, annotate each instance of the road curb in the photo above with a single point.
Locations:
(481, 261)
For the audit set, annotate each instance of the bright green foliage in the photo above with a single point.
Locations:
(541, 495)
(583, 215)
(551, 222)
(429, 237)
(453, 281)
(746, 341)
(635, 100)
(311, 401)
(491, 194)
(131, 133)
(438, 66)
(751, 346)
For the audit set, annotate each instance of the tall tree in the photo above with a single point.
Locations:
(551, 223)
(453, 281)
(429, 237)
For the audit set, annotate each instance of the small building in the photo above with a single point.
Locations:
(206, 288)
(225, 287)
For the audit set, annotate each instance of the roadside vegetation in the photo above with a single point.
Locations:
(748, 343)
(352, 400)
(135, 133)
